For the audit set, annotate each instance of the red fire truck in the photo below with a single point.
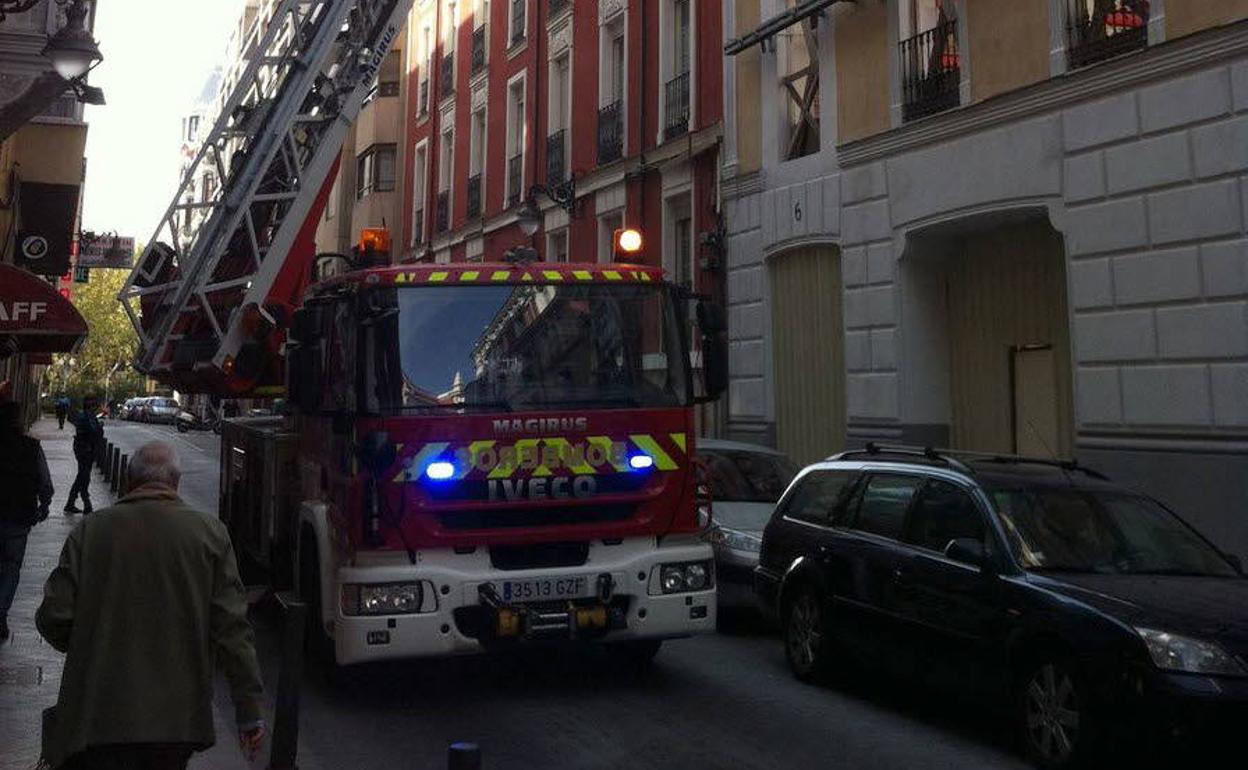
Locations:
(482, 454)
(476, 454)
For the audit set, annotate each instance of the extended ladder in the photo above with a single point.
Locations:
(208, 302)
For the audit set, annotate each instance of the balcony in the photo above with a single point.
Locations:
(444, 210)
(1104, 31)
(931, 72)
(556, 157)
(448, 74)
(676, 106)
(418, 227)
(515, 170)
(610, 133)
(474, 195)
(422, 102)
(478, 50)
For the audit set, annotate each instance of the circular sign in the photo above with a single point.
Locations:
(34, 247)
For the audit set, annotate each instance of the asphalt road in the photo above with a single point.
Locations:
(723, 701)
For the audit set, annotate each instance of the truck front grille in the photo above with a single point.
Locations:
(534, 517)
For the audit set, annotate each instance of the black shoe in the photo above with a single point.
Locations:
(87, 510)
(69, 508)
(4, 630)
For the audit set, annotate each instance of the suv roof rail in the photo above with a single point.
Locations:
(873, 449)
(1069, 465)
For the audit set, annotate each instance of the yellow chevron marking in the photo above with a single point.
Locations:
(519, 457)
(645, 276)
(553, 275)
(612, 275)
(679, 440)
(415, 465)
(526, 277)
(438, 277)
(662, 460)
(583, 275)
(400, 278)
(469, 275)
(500, 275)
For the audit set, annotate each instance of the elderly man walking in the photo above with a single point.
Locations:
(145, 598)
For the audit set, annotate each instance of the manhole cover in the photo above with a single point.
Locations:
(21, 676)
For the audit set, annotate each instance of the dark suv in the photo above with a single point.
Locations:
(1085, 604)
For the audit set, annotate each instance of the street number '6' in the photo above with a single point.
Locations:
(797, 212)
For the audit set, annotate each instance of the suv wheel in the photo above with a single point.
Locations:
(1053, 715)
(805, 637)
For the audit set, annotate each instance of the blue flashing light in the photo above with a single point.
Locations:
(440, 471)
(641, 462)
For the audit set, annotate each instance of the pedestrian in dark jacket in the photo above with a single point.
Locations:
(62, 411)
(88, 432)
(27, 491)
(145, 599)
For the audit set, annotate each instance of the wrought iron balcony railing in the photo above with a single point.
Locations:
(474, 195)
(515, 170)
(1097, 30)
(518, 17)
(931, 71)
(610, 133)
(423, 99)
(676, 106)
(418, 227)
(556, 157)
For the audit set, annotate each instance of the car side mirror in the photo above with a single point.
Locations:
(967, 551)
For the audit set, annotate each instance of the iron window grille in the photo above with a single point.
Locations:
(556, 159)
(448, 74)
(515, 168)
(610, 133)
(444, 210)
(557, 7)
(518, 18)
(931, 71)
(1097, 30)
(423, 98)
(676, 106)
(418, 227)
(474, 195)
(478, 50)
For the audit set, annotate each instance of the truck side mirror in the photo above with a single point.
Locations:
(714, 328)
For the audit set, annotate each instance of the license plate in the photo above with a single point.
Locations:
(543, 589)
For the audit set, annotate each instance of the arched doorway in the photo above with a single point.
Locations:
(807, 344)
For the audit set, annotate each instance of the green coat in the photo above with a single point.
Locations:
(145, 594)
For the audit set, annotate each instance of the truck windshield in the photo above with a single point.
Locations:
(528, 347)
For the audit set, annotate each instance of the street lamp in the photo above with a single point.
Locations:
(562, 195)
(72, 50)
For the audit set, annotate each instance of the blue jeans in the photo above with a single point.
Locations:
(12, 551)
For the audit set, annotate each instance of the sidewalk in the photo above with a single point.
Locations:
(30, 670)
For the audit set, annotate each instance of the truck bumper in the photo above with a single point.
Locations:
(456, 620)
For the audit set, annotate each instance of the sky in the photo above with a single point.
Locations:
(157, 54)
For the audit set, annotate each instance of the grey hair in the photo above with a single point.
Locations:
(155, 463)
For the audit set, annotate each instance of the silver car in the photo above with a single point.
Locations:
(160, 409)
(746, 480)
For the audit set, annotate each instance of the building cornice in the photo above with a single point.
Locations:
(1129, 71)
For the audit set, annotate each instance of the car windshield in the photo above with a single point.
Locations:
(527, 347)
(1067, 530)
(738, 476)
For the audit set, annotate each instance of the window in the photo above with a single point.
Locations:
(557, 246)
(446, 172)
(375, 170)
(930, 64)
(331, 205)
(816, 498)
(943, 513)
(476, 162)
(615, 60)
(680, 41)
(607, 225)
(557, 142)
(1097, 30)
(420, 182)
(516, 140)
(518, 20)
(882, 509)
(799, 81)
(682, 246)
(747, 477)
(676, 91)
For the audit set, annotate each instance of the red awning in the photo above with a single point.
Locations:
(35, 316)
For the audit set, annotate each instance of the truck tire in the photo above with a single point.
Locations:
(317, 643)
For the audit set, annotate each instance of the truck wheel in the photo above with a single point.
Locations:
(317, 643)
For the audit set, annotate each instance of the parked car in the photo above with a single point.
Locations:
(127, 409)
(161, 410)
(745, 481)
(1039, 582)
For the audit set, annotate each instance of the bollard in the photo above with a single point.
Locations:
(285, 746)
(123, 486)
(464, 756)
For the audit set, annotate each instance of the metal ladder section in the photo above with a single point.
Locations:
(273, 146)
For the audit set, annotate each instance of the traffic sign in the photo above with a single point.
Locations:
(106, 251)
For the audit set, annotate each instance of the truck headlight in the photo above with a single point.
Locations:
(381, 599)
(686, 576)
(1173, 652)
